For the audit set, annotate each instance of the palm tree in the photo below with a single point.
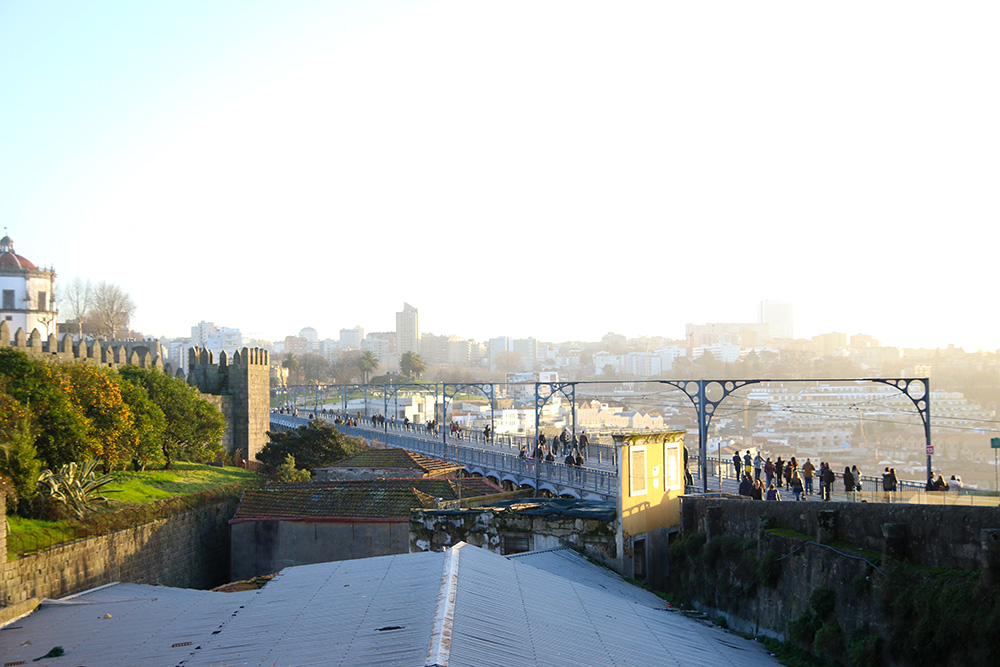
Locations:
(412, 365)
(290, 363)
(367, 362)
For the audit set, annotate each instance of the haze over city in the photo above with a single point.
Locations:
(556, 170)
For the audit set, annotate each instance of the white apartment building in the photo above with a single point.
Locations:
(777, 315)
(407, 330)
(351, 338)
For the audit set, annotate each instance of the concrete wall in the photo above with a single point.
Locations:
(265, 547)
(189, 550)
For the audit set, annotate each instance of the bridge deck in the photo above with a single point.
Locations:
(598, 477)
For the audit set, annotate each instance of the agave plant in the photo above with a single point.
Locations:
(75, 486)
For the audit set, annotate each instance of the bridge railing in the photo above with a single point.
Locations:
(600, 482)
(601, 451)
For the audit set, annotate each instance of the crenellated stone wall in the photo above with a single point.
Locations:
(243, 382)
(66, 347)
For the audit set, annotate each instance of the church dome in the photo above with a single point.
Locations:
(11, 261)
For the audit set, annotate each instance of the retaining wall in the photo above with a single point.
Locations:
(189, 550)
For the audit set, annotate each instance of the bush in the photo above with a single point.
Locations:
(769, 569)
(802, 630)
(865, 650)
(829, 641)
(823, 601)
(287, 472)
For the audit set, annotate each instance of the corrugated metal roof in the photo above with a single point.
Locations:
(553, 608)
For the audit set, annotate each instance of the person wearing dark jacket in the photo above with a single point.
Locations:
(826, 478)
(745, 486)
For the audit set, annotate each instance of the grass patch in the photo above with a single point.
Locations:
(129, 490)
(138, 488)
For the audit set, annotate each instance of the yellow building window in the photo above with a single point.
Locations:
(637, 471)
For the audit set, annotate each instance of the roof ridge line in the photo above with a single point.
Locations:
(439, 650)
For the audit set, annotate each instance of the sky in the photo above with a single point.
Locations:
(558, 170)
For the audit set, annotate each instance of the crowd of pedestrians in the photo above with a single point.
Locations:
(762, 478)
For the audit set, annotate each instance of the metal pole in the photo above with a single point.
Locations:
(703, 439)
(534, 451)
(927, 425)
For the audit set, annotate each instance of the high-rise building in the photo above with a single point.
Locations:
(407, 330)
(527, 350)
(778, 316)
(351, 338)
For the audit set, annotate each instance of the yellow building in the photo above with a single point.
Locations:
(652, 483)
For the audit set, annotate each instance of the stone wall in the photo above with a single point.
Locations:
(113, 354)
(189, 550)
(265, 547)
(433, 530)
(900, 582)
(929, 535)
(244, 382)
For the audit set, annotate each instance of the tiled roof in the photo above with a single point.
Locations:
(365, 499)
(397, 458)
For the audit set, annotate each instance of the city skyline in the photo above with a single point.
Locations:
(552, 170)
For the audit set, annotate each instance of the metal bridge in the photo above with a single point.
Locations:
(497, 460)
(705, 395)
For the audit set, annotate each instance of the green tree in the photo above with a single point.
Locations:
(96, 391)
(193, 427)
(58, 424)
(287, 472)
(367, 364)
(18, 457)
(150, 424)
(412, 365)
(291, 364)
(313, 445)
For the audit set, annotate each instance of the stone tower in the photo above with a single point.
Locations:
(243, 385)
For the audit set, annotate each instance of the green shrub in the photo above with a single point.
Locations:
(829, 641)
(769, 569)
(823, 601)
(802, 630)
(865, 650)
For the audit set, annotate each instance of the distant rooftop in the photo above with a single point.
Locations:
(361, 499)
(396, 458)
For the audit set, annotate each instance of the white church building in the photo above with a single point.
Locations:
(28, 293)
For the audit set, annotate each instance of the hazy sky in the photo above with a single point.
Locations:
(547, 169)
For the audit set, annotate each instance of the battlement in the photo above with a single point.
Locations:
(243, 380)
(66, 347)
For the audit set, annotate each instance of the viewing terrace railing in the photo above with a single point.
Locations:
(872, 491)
(476, 453)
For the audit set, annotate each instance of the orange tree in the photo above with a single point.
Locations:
(57, 424)
(193, 427)
(96, 391)
(150, 424)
